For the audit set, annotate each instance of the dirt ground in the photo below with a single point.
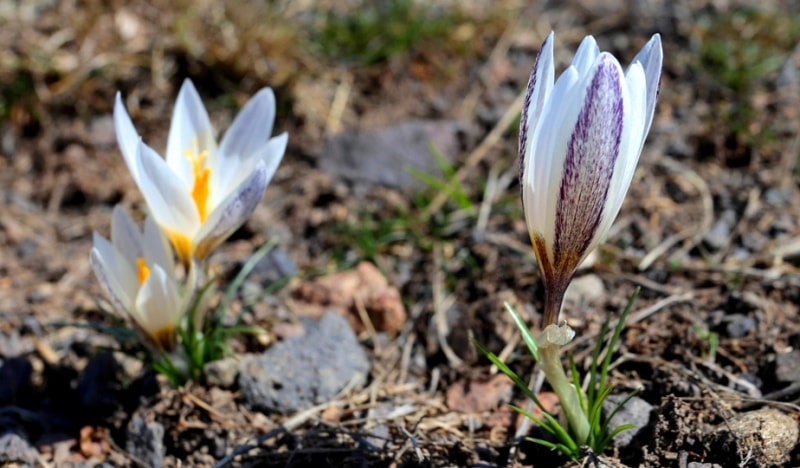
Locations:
(709, 230)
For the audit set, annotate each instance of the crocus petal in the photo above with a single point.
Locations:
(156, 247)
(158, 307)
(231, 213)
(127, 138)
(190, 133)
(251, 128)
(167, 197)
(592, 154)
(125, 235)
(651, 57)
(232, 173)
(546, 153)
(114, 273)
(634, 108)
(539, 85)
(586, 55)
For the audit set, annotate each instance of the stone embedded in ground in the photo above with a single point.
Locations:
(787, 366)
(765, 437)
(384, 156)
(352, 292)
(15, 449)
(476, 396)
(221, 373)
(306, 370)
(584, 289)
(636, 411)
(145, 441)
(277, 265)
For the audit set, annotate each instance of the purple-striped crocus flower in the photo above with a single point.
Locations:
(580, 138)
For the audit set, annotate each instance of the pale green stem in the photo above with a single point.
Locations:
(566, 392)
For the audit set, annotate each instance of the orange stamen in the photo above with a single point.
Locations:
(142, 272)
(202, 176)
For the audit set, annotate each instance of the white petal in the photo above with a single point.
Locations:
(158, 304)
(125, 235)
(190, 133)
(114, 274)
(270, 154)
(546, 153)
(539, 85)
(651, 57)
(157, 249)
(168, 198)
(251, 128)
(586, 55)
(232, 212)
(127, 138)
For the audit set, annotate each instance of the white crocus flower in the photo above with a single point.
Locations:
(201, 193)
(137, 271)
(580, 139)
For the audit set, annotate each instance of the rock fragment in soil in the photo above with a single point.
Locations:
(765, 437)
(305, 370)
(787, 366)
(352, 294)
(16, 449)
(145, 441)
(636, 411)
(383, 157)
(221, 373)
(475, 396)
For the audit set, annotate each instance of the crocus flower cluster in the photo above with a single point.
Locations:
(196, 198)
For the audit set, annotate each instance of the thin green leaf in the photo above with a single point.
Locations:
(530, 341)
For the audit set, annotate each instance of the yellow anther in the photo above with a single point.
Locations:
(142, 272)
(202, 175)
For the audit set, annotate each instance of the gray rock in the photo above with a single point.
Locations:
(382, 157)
(787, 366)
(221, 373)
(636, 412)
(16, 449)
(275, 266)
(305, 370)
(145, 441)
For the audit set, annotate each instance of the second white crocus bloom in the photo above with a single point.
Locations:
(137, 271)
(580, 139)
(201, 193)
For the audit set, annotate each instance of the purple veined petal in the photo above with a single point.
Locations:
(190, 133)
(167, 197)
(127, 138)
(231, 212)
(114, 274)
(634, 108)
(125, 235)
(651, 58)
(586, 55)
(250, 129)
(231, 174)
(592, 153)
(539, 85)
(157, 250)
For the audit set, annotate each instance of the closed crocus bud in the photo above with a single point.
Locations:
(201, 193)
(580, 139)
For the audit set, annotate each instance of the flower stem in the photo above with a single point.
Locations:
(567, 393)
